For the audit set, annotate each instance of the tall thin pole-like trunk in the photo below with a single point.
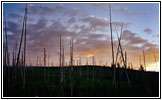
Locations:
(62, 70)
(80, 69)
(24, 62)
(48, 60)
(13, 58)
(111, 34)
(80, 60)
(155, 60)
(87, 61)
(114, 77)
(144, 59)
(48, 69)
(44, 64)
(118, 48)
(44, 57)
(140, 60)
(87, 67)
(15, 67)
(71, 71)
(93, 60)
(8, 58)
(131, 66)
(126, 59)
(60, 51)
(6, 63)
(4, 55)
(22, 34)
(60, 60)
(25, 37)
(122, 55)
(6, 48)
(37, 62)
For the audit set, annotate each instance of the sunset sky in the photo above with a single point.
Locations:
(88, 25)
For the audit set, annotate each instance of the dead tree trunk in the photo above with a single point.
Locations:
(87, 67)
(122, 55)
(24, 62)
(60, 59)
(44, 64)
(86, 61)
(20, 45)
(15, 67)
(62, 68)
(111, 35)
(144, 59)
(6, 45)
(48, 69)
(80, 69)
(155, 60)
(114, 77)
(80, 61)
(93, 66)
(37, 62)
(6, 61)
(126, 59)
(71, 63)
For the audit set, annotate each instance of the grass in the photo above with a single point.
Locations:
(144, 84)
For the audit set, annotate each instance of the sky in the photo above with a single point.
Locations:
(88, 24)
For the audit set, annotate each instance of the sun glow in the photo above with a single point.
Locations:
(89, 55)
(153, 67)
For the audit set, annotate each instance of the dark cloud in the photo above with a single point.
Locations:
(15, 16)
(148, 30)
(95, 23)
(89, 34)
(41, 24)
(71, 20)
(101, 22)
(132, 38)
(150, 46)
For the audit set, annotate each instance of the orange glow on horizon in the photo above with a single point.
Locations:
(153, 67)
(89, 55)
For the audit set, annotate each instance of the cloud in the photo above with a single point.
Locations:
(119, 24)
(15, 16)
(128, 12)
(150, 46)
(71, 12)
(87, 31)
(148, 30)
(31, 5)
(100, 5)
(132, 38)
(71, 20)
(43, 10)
(57, 10)
(95, 23)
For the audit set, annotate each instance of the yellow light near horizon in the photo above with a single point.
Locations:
(89, 55)
(153, 67)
